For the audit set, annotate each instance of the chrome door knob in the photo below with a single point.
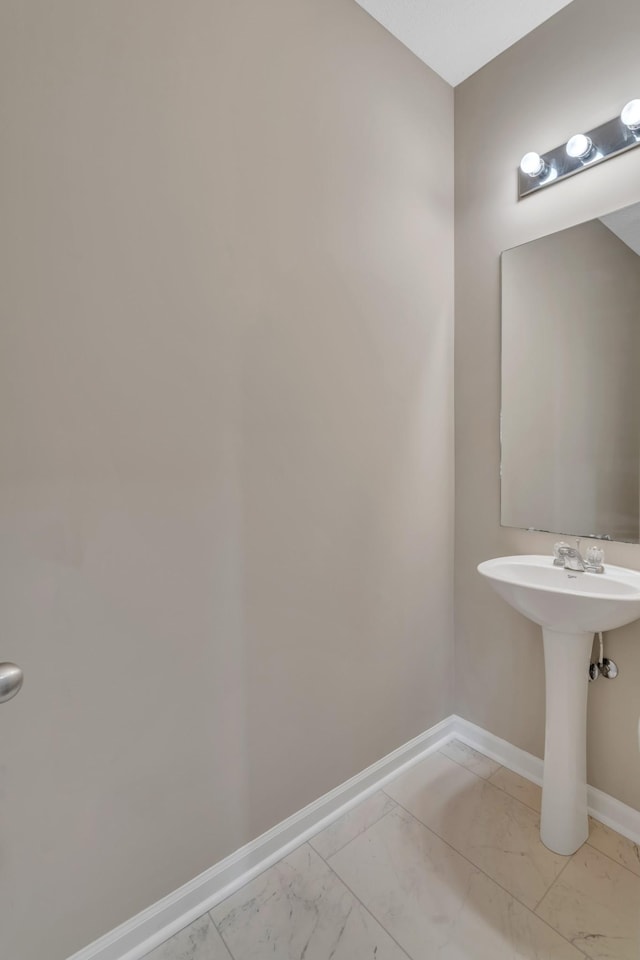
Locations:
(11, 678)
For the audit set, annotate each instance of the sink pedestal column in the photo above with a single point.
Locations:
(565, 824)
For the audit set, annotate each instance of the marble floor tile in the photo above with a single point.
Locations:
(355, 821)
(518, 787)
(476, 762)
(615, 846)
(300, 910)
(435, 903)
(596, 905)
(199, 941)
(496, 832)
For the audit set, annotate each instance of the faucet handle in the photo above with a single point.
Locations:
(559, 552)
(595, 556)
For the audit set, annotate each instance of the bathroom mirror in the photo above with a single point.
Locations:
(570, 421)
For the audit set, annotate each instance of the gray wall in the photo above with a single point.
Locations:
(226, 471)
(570, 74)
(571, 384)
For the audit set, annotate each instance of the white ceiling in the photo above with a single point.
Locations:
(625, 224)
(457, 37)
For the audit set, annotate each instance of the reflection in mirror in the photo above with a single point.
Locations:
(570, 423)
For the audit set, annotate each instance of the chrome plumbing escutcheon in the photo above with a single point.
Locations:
(608, 669)
(11, 678)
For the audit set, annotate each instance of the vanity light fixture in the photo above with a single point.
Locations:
(581, 151)
(532, 164)
(630, 115)
(579, 146)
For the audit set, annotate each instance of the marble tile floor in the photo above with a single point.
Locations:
(445, 863)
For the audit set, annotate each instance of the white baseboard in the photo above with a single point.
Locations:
(133, 939)
(613, 813)
(137, 936)
(499, 750)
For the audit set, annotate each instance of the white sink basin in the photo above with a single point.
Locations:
(570, 607)
(564, 600)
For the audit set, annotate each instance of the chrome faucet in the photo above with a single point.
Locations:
(571, 559)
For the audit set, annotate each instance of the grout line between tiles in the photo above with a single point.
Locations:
(163, 943)
(347, 842)
(219, 932)
(338, 877)
(257, 877)
(224, 942)
(487, 779)
(480, 870)
(569, 859)
(464, 765)
(536, 811)
(475, 865)
(490, 780)
(398, 805)
(587, 843)
(478, 777)
(363, 905)
(215, 925)
(498, 787)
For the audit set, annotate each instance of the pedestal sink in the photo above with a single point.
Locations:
(570, 607)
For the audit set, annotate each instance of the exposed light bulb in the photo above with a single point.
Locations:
(579, 146)
(532, 164)
(630, 115)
